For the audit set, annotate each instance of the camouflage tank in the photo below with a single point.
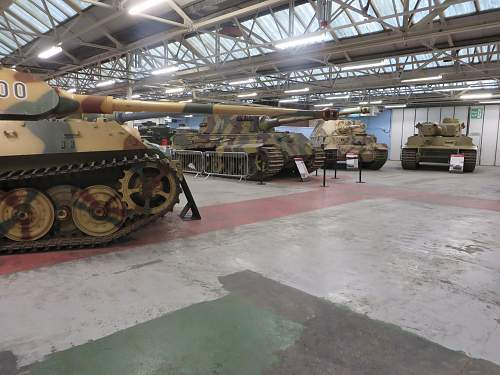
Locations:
(349, 136)
(269, 152)
(67, 182)
(434, 143)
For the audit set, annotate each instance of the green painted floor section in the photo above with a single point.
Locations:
(225, 336)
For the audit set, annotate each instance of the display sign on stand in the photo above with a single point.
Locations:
(301, 167)
(457, 163)
(351, 161)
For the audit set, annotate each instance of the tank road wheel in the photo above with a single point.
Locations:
(150, 188)
(63, 196)
(25, 214)
(98, 211)
(469, 160)
(409, 158)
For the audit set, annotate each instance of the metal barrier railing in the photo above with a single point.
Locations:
(192, 161)
(212, 163)
(230, 164)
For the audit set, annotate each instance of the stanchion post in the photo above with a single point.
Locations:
(324, 176)
(360, 168)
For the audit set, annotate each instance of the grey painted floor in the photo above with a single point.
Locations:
(430, 269)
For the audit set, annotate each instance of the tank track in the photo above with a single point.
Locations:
(409, 158)
(52, 241)
(378, 162)
(274, 165)
(469, 160)
(319, 159)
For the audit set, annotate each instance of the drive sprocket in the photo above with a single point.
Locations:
(150, 188)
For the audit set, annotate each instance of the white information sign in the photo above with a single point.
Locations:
(301, 167)
(351, 161)
(457, 163)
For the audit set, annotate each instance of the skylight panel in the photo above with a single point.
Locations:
(54, 12)
(488, 4)
(63, 7)
(30, 20)
(307, 14)
(7, 41)
(460, 9)
(270, 27)
(34, 11)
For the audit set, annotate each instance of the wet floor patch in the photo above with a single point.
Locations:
(261, 327)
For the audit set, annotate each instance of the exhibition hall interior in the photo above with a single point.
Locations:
(231, 187)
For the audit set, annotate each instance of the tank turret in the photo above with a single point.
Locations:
(435, 143)
(341, 137)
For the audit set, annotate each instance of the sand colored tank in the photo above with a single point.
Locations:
(434, 143)
(268, 150)
(349, 136)
(66, 182)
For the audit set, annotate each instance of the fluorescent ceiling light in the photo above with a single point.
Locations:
(144, 5)
(52, 51)
(135, 96)
(467, 88)
(365, 65)
(485, 95)
(186, 101)
(305, 89)
(338, 97)
(249, 95)
(13, 67)
(188, 115)
(293, 43)
(372, 102)
(421, 79)
(168, 69)
(491, 102)
(395, 106)
(242, 81)
(324, 105)
(71, 90)
(292, 100)
(174, 90)
(105, 83)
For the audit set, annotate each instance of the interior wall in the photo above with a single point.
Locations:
(484, 131)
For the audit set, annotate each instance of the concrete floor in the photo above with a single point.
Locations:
(399, 275)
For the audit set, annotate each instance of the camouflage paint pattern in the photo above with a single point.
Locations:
(434, 143)
(249, 135)
(349, 136)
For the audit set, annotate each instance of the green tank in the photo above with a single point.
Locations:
(341, 137)
(269, 152)
(434, 143)
(66, 182)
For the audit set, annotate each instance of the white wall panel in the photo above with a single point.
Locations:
(408, 124)
(396, 133)
(489, 138)
(434, 114)
(461, 114)
(447, 112)
(420, 115)
(476, 130)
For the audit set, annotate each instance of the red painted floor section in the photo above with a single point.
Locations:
(231, 215)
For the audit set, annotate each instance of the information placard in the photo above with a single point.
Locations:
(301, 167)
(351, 161)
(457, 163)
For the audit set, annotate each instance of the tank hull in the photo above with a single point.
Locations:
(281, 147)
(73, 184)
